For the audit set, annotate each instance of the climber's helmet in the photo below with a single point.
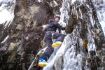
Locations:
(57, 18)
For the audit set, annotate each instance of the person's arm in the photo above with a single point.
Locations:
(45, 27)
(60, 28)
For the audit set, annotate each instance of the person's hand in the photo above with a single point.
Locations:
(57, 32)
(44, 27)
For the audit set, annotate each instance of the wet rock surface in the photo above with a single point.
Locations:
(82, 24)
(18, 38)
(24, 34)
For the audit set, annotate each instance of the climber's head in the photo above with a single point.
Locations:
(57, 18)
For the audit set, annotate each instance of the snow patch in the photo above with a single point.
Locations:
(7, 11)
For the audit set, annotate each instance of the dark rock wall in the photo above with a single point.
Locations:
(25, 33)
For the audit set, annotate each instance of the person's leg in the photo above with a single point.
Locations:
(48, 38)
(60, 37)
(48, 41)
(55, 35)
(46, 54)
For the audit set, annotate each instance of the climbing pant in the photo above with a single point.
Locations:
(58, 37)
(49, 35)
(47, 53)
(48, 38)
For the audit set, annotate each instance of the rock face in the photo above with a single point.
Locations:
(23, 34)
(83, 24)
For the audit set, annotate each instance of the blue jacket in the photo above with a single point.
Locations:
(53, 26)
